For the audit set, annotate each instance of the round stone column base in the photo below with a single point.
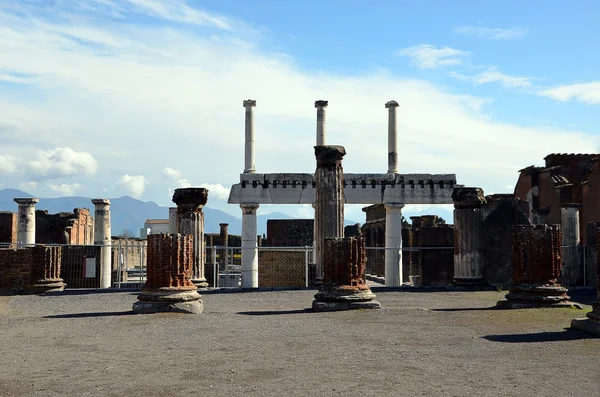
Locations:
(468, 284)
(586, 324)
(200, 283)
(45, 286)
(167, 299)
(321, 306)
(537, 296)
(345, 297)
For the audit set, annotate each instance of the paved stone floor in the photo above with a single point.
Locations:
(265, 344)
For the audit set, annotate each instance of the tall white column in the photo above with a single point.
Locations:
(249, 246)
(26, 221)
(569, 225)
(173, 228)
(249, 165)
(393, 244)
(392, 137)
(321, 119)
(102, 237)
(315, 250)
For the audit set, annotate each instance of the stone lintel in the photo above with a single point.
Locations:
(190, 198)
(468, 197)
(27, 201)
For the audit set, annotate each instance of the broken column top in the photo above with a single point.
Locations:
(101, 201)
(190, 198)
(391, 104)
(468, 197)
(321, 104)
(329, 155)
(249, 102)
(27, 200)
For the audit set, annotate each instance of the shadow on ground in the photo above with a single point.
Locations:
(96, 314)
(275, 312)
(561, 336)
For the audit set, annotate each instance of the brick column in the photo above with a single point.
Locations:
(591, 324)
(168, 285)
(26, 221)
(468, 237)
(537, 268)
(45, 276)
(190, 221)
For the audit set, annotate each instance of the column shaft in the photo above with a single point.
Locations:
(249, 164)
(393, 240)
(321, 120)
(249, 248)
(26, 221)
(102, 237)
(569, 222)
(392, 137)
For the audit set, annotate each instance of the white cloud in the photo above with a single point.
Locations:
(132, 100)
(428, 56)
(585, 92)
(61, 162)
(171, 173)
(216, 190)
(7, 164)
(133, 185)
(179, 11)
(28, 185)
(493, 75)
(491, 33)
(65, 189)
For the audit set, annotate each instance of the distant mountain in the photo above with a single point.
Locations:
(130, 214)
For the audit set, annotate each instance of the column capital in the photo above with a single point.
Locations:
(393, 206)
(249, 103)
(101, 201)
(190, 198)
(249, 209)
(321, 104)
(26, 201)
(468, 197)
(391, 104)
(329, 155)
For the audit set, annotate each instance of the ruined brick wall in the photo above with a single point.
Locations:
(8, 227)
(436, 265)
(499, 215)
(281, 269)
(549, 197)
(591, 199)
(536, 254)
(16, 266)
(290, 232)
(523, 186)
(75, 227)
(591, 254)
(170, 261)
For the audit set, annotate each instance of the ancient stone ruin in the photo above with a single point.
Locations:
(537, 266)
(45, 274)
(591, 324)
(343, 260)
(168, 285)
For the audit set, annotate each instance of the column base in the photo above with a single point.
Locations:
(345, 293)
(321, 306)
(174, 300)
(468, 284)
(45, 286)
(537, 296)
(586, 325)
(200, 283)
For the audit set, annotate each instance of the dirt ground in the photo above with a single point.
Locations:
(266, 344)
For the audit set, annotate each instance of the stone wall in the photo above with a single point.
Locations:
(8, 227)
(16, 266)
(290, 232)
(500, 213)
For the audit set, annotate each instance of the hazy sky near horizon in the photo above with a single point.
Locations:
(107, 98)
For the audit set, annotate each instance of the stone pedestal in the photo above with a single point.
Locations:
(467, 238)
(536, 269)
(168, 285)
(344, 286)
(102, 237)
(591, 324)
(190, 221)
(45, 276)
(26, 221)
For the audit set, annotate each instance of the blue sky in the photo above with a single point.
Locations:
(138, 97)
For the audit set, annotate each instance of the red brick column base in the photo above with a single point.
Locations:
(170, 268)
(45, 276)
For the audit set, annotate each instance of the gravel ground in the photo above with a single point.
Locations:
(266, 344)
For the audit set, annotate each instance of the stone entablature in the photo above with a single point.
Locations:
(299, 188)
